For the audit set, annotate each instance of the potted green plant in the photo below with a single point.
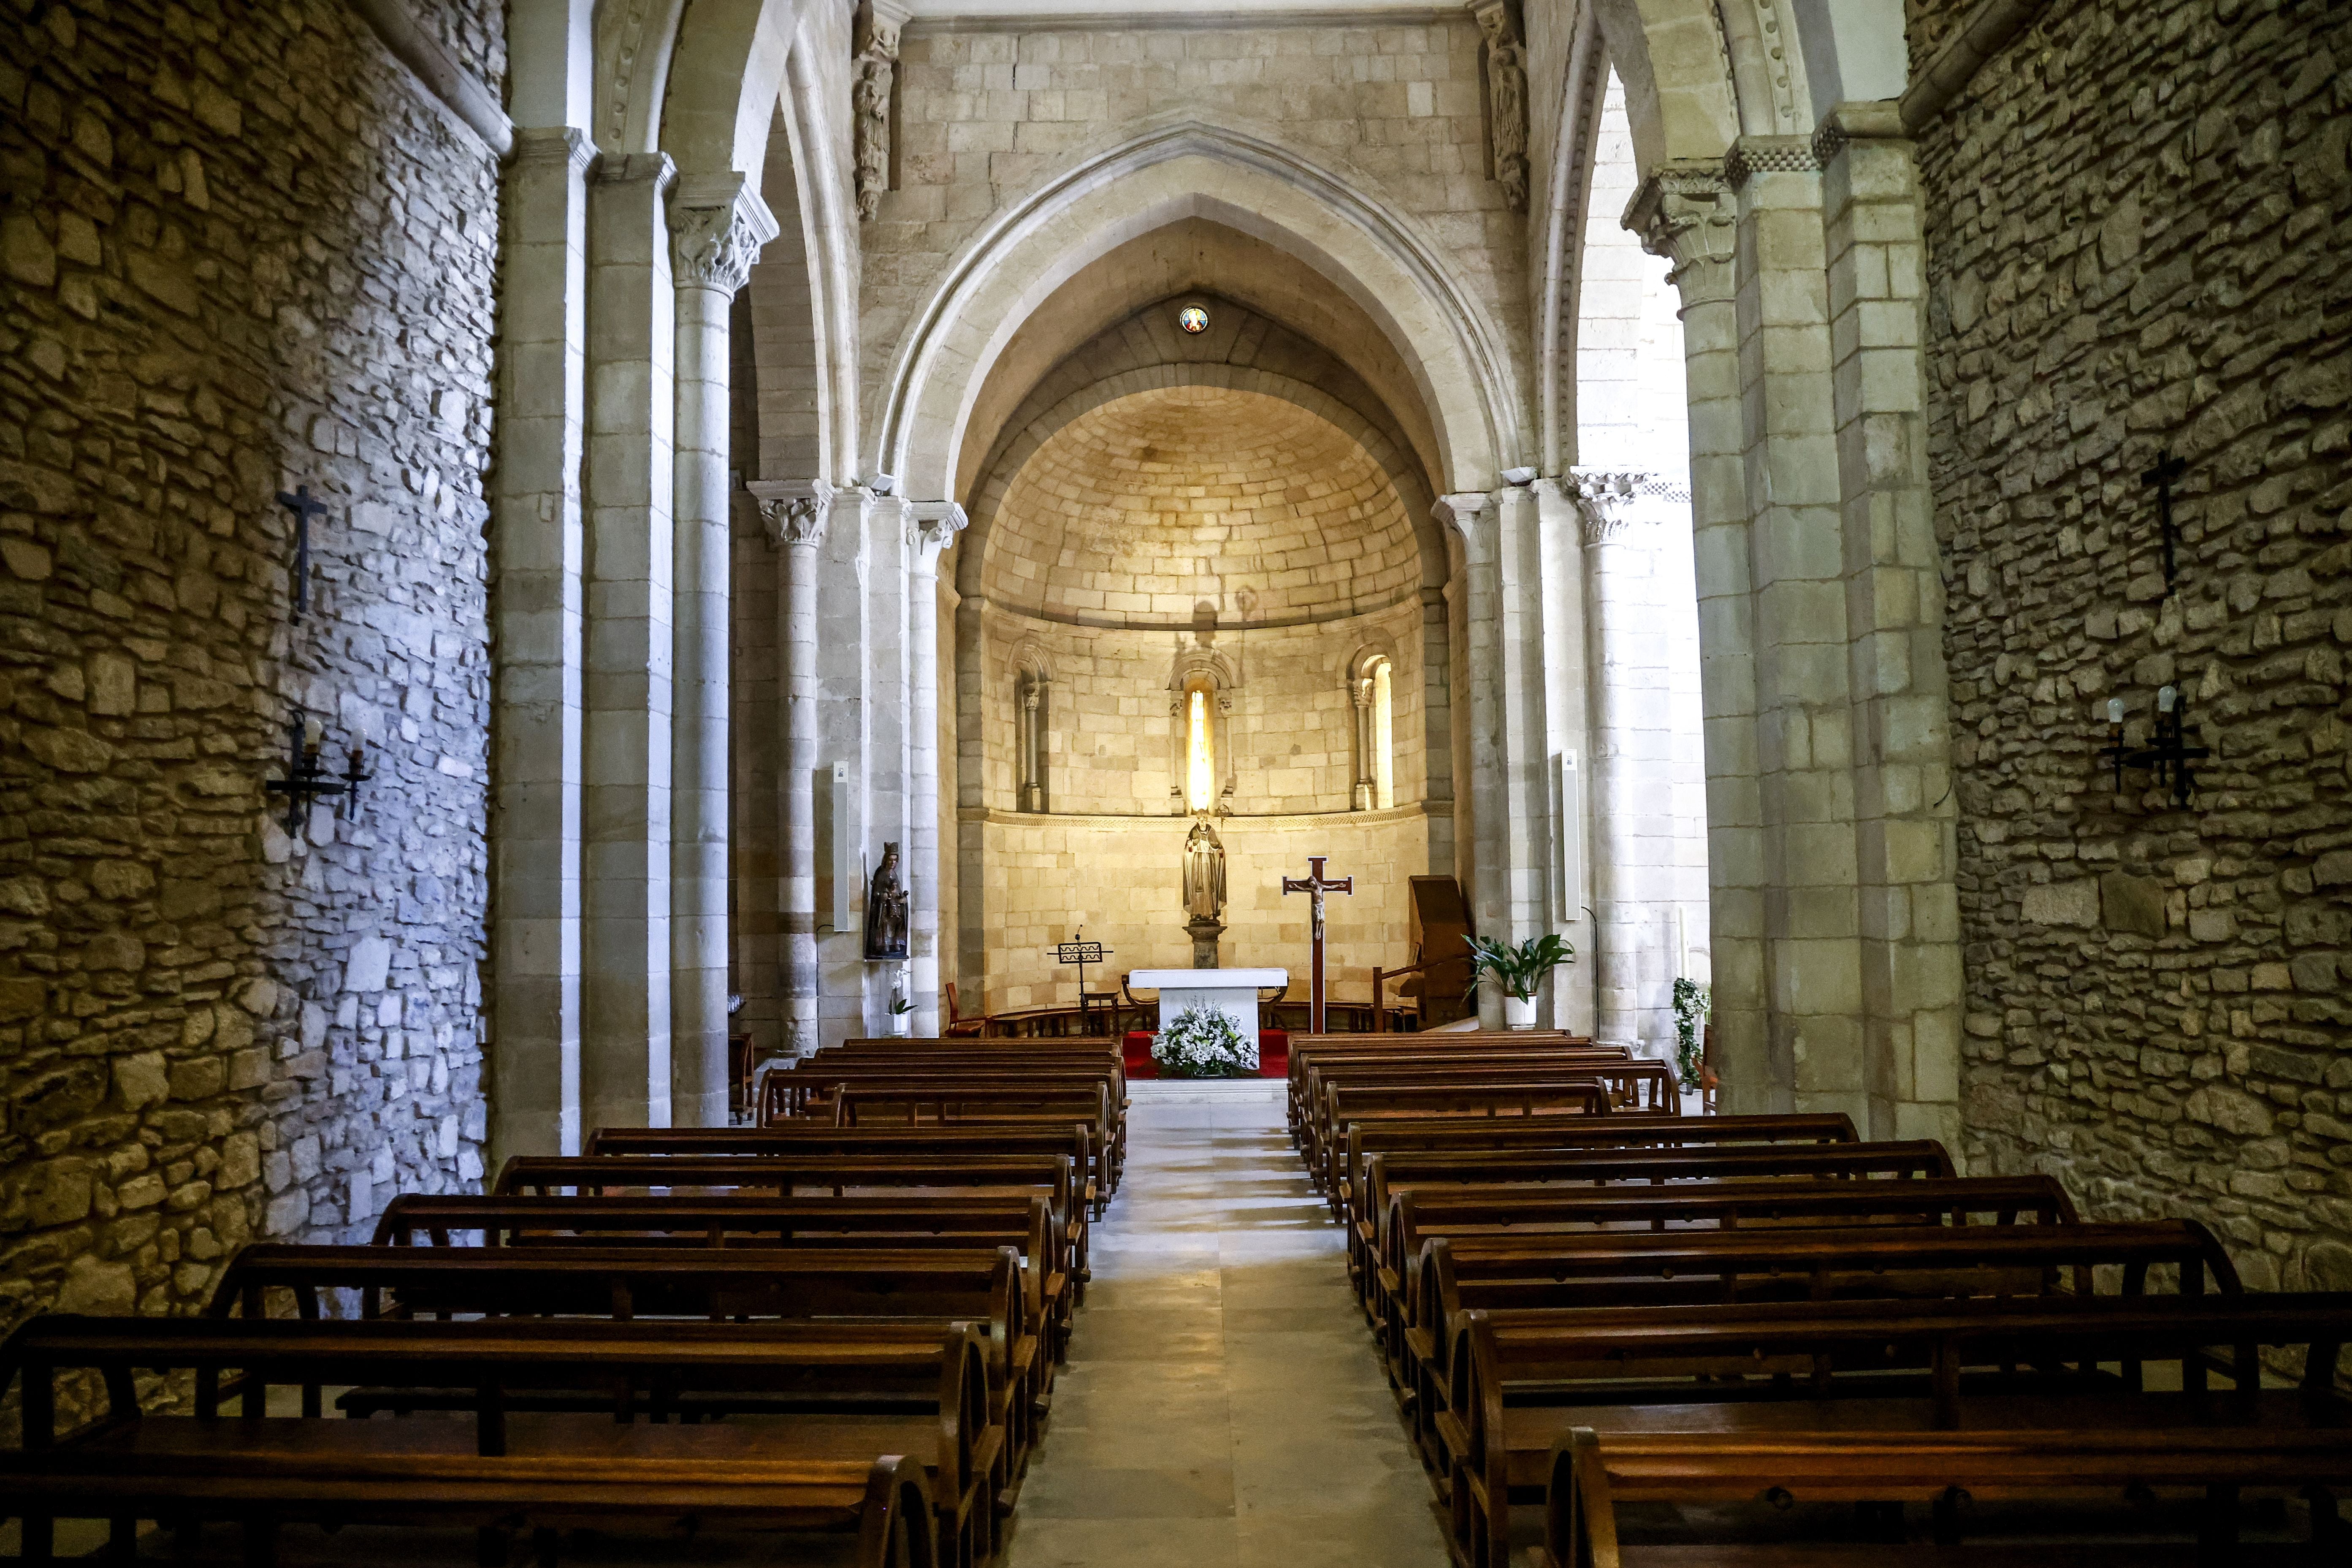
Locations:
(1690, 1025)
(902, 1015)
(1519, 969)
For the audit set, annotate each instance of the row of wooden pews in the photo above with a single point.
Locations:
(1738, 1339)
(830, 1324)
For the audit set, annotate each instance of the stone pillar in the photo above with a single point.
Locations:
(1363, 796)
(1894, 603)
(1474, 519)
(538, 555)
(859, 629)
(717, 224)
(1569, 751)
(1437, 729)
(1632, 753)
(931, 527)
(885, 659)
(625, 933)
(795, 512)
(1684, 213)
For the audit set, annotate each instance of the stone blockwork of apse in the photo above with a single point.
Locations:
(2138, 224)
(242, 252)
(985, 116)
(1157, 510)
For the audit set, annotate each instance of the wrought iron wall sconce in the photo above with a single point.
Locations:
(307, 781)
(2167, 758)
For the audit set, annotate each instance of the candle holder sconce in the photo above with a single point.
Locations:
(2168, 759)
(307, 781)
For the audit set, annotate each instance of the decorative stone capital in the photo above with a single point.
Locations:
(931, 527)
(1685, 213)
(793, 512)
(1507, 98)
(717, 225)
(1608, 501)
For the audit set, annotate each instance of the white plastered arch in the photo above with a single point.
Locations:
(1247, 183)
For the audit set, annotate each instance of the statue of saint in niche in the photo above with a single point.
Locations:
(1204, 871)
(886, 908)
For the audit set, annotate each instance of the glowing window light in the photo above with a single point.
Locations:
(1201, 767)
(1383, 739)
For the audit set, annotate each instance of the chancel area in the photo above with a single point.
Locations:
(949, 782)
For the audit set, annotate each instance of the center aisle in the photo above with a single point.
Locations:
(1221, 1405)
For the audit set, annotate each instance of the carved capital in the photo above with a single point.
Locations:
(1684, 212)
(1507, 98)
(717, 225)
(1608, 501)
(793, 512)
(931, 527)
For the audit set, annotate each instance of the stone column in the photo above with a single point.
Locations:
(1474, 519)
(884, 661)
(625, 933)
(1684, 213)
(1894, 603)
(1363, 798)
(931, 527)
(538, 724)
(717, 225)
(1437, 730)
(860, 630)
(1568, 747)
(795, 512)
(1632, 753)
(1526, 846)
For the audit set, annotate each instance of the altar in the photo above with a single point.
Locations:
(1233, 992)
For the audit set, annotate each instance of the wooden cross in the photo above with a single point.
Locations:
(2166, 473)
(304, 506)
(1315, 884)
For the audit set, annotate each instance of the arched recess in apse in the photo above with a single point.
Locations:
(1030, 680)
(1370, 679)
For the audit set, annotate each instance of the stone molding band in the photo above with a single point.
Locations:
(1989, 30)
(1188, 22)
(438, 71)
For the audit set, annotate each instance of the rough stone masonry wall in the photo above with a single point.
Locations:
(241, 252)
(2138, 219)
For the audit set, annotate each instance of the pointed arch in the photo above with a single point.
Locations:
(1386, 265)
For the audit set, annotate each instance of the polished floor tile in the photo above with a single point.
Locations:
(1222, 1407)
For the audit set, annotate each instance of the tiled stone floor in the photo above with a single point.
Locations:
(1222, 1407)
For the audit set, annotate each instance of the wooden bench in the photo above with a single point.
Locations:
(1504, 1179)
(1522, 1378)
(1025, 1225)
(978, 1286)
(1484, 1092)
(1446, 1134)
(1073, 1138)
(824, 1470)
(2014, 1402)
(1604, 1065)
(814, 1093)
(1310, 1067)
(1053, 1176)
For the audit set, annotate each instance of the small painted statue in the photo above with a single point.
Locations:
(886, 908)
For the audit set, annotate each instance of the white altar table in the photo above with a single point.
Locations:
(1233, 992)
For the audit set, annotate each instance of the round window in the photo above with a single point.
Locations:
(1192, 319)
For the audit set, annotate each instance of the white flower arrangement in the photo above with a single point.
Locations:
(1201, 1042)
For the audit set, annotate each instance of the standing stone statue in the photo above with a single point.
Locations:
(886, 908)
(1204, 871)
(1204, 891)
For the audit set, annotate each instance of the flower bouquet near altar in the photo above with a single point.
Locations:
(1201, 1042)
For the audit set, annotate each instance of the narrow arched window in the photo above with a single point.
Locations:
(1030, 719)
(1200, 749)
(1383, 738)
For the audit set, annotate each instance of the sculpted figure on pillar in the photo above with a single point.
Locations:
(874, 74)
(1506, 100)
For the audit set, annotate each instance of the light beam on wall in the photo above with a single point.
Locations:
(1201, 767)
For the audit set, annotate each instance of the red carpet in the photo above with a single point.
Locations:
(1273, 1054)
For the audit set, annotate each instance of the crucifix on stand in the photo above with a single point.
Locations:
(1315, 884)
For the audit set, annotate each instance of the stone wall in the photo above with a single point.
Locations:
(2137, 225)
(1110, 735)
(242, 253)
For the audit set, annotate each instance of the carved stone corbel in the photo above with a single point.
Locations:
(873, 79)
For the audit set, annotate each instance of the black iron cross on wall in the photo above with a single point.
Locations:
(2164, 475)
(304, 506)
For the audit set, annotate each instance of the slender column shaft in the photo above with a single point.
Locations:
(625, 1041)
(539, 551)
(1473, 517)
(718, 226)
(933, 526)
(795, 512)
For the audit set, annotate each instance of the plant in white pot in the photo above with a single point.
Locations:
(1204, 1042)
(902, 1014)
(1519, 971)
